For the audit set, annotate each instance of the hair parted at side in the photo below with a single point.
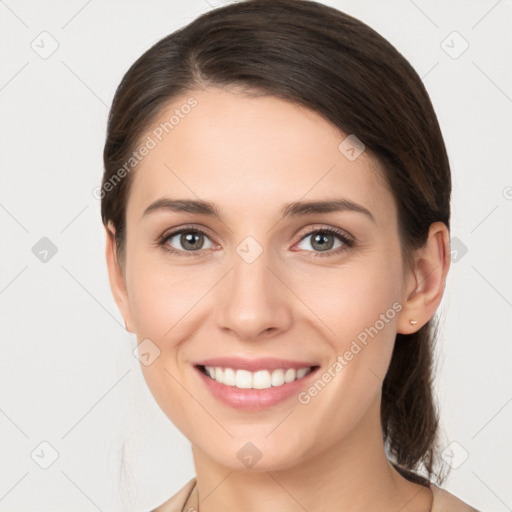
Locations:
(318, 57)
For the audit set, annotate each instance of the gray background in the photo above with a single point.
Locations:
(68, 376)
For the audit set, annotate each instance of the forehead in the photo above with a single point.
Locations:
(250, 151)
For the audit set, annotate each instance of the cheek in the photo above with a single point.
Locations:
(162, 305)
(353, 300)
(161, 299)
(359, 304)
(361, 310)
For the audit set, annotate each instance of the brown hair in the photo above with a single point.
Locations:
(321, 58)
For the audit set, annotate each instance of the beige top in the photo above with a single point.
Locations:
(186, 497)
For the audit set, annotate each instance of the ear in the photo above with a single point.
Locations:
(116, 277)
(426, 281)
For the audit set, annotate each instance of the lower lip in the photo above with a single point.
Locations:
(254, 399)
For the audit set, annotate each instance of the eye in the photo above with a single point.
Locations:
(186, 240)
(191, 241)
(326, 240)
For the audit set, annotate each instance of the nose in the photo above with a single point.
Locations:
(253, 302)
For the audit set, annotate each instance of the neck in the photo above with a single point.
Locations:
(353, 475)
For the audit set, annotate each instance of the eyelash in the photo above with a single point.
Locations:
(348, 243)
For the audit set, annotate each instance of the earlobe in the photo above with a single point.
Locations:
(426, 281)
(116, 277)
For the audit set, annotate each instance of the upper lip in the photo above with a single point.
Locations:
(252, 365)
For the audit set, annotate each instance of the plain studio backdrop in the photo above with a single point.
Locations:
(80, 430)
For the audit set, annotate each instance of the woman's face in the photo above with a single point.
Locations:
(268, 286)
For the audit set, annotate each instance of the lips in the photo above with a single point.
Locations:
(254, 383)
(260, 379)
(254, 365)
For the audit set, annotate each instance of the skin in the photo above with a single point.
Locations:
(251, 156)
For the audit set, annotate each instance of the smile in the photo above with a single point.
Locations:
(254, 384)
(261, 379)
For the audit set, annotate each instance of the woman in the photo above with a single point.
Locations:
(276, 200)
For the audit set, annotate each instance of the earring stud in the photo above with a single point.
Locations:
(413, 322)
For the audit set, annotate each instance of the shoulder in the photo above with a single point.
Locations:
(444, 501)
(176, 502)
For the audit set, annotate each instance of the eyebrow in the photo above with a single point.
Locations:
(295, 209)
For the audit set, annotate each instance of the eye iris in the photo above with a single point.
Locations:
(325, 242)
(190, 239)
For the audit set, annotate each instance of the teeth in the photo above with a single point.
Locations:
(302, 372)
(290, 375)
(243, 379)
(277, 378)
(229, 377)
(262, 379)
